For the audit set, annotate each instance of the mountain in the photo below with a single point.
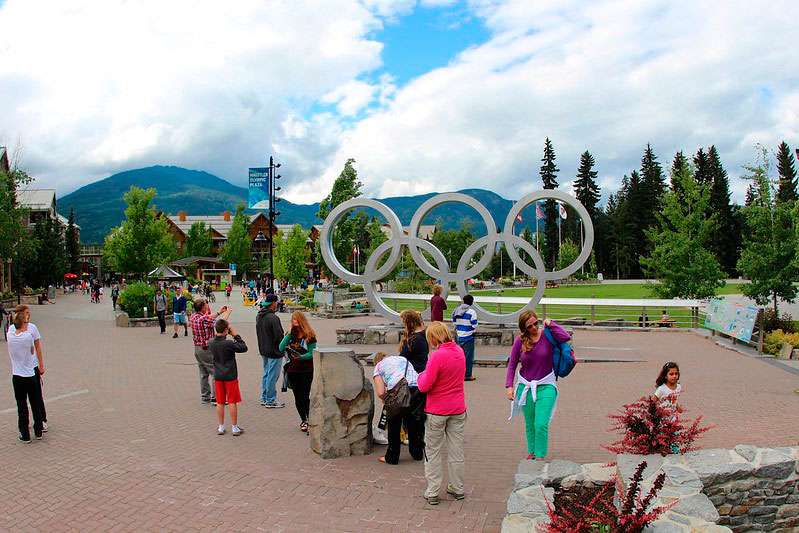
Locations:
(99, 206)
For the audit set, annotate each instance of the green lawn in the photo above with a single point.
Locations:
(631, 290)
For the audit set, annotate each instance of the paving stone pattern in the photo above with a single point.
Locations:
(132, 447)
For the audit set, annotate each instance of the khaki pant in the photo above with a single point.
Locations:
(205, 362)
(438, 429)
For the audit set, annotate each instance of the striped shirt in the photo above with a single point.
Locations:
(465, 320)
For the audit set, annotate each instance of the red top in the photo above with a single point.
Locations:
(202, 329)
(442, 380)
(437, 306)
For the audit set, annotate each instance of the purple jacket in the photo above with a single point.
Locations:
(536, 363)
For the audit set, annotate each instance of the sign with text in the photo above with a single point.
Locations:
(734, 319)
(259, 188)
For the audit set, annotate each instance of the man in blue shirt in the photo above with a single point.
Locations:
(179, 312)
(465, 319)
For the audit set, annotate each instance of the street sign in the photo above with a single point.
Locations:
(259, 188)
(232, 268)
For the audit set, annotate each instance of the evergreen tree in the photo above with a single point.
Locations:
(750, 195)
(549, 178)
(702, 168)
(586, 191)
(47, 262)
(769, 253)
(787, 175)
(348, 233)
(291, 256)
(15, 242)
(199, 241)
(679, 165)
(727, 240)
(143, 241)
(72, 244)
(238, 246)
(679, 260)
(345, 188)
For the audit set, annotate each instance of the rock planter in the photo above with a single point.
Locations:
(392, 334)
(122, 320)
(745, 489)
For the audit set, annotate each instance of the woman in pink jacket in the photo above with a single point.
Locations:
(445, 406)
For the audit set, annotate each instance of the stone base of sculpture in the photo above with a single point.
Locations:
(342, 405)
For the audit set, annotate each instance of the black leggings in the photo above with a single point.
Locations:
(301, 386)
(413, 418)
(28, 389)
(161, 320)
(44, 409)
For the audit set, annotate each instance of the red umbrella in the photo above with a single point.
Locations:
(70, 275)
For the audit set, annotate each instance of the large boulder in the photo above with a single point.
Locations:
(342, 405)
(122, 320)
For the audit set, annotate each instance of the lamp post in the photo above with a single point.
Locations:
(260, 239)
(273, 214)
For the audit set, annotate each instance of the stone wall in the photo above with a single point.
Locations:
(745, 489)
(392, 335)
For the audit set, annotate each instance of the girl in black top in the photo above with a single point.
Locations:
(414, 344)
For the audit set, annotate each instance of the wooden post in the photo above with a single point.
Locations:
(593, 315)
(762, 333)
(695, 314)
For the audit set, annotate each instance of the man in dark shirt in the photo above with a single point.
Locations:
(270, 333)
(179, 313)
(226, 374)
(437, 305)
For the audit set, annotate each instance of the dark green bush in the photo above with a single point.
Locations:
(773, 322)
(135, 297)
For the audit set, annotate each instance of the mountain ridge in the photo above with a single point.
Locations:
(99, 205)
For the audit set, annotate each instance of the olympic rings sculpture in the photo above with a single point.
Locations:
(441, 271)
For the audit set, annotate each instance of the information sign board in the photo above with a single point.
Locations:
(731, 318)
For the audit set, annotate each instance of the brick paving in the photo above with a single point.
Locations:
(132, 449)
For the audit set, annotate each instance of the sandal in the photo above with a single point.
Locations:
(304, 427)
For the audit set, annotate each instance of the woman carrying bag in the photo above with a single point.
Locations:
(395, 383)
(299, 344)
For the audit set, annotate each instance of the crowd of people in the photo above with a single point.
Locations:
(422, 385)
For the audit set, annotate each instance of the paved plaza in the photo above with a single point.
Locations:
(132, 448)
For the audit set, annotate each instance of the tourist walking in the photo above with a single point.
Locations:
(114, 295)
(536, 390)
(270, 332)
(445, 406)
(389, 372)
(465, 319)
(299, 344)
(226, 375)
(202, 330)
(5, 320)
(413, 346)
(179, 313)
(160, 309)
(228, 290)
(27, 367)
(437, 305)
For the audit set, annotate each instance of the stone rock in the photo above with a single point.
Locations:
(718, 466)
(711, 528)
(698, 506)
(392, 336)
(724, 509)
(531, 501)
(371, 336)
(785, 351)
(559, 469)
(788, 510)
(592, 474)
(747, 451)
(342, 405)
(627, 464)
(762, 510)
(666, 526)
(530, 473)
(774, 464)
(519, 523)
(122, 320)
(680, 475)
(507, 337)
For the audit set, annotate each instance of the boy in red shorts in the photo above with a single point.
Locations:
(226, 374)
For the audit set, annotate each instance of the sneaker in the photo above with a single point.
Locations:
(39, 436)
(431, 500)
(205, 400)
(220, 430)
(274, 405)
(457, 495)
(175, 336)
(44, 427)
(26, 441)
(236, 430)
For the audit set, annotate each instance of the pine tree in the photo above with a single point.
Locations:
(646, 197)
(727, 240)
(72, 243)
(702, 167)
(750, 195)
(549, 178)
(787, 175)
(679, 165)
(199, 241)
(346, 234)
(585, 186)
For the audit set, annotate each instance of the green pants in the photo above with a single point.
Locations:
(536, 417)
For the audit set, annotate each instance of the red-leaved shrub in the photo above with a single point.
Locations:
(648, 427)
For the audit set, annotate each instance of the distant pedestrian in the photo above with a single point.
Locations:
(5, 320)
(536, 388)
(270, 332)
(160, 309)
(465, 319)
(202, 330)
(228, 290)
(299, 345)
(226, 375)
(114, 295)
(389, 372)
(27, 367)
(445, 407)
(179, 313)
(437, 305)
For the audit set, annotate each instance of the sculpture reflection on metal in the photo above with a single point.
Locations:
(441, 271)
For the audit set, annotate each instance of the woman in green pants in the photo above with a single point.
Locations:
(535, 392)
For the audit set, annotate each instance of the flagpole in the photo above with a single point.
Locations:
(536, 226)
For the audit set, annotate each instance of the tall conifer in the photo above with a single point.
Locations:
(787, 174)
(702, 168)
(549, 178)
(678, 165)
(726, 242)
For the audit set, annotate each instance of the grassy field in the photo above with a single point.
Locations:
(631, 290)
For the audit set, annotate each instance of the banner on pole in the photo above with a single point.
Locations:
(259, 188)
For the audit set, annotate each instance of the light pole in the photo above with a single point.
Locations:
(273, 214)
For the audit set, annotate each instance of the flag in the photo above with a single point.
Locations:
(562, 211)
(355, 250)
(519, 217)
(539, 213)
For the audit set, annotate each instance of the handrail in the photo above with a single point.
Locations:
(642, 302)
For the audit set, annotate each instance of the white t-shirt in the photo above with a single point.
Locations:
(21, 351)
(668, 398)
(392, 369)
(32, 329)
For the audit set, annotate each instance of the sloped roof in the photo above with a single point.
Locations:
(36, 199)
(186, 261)
(164, 272)
(216, 222)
